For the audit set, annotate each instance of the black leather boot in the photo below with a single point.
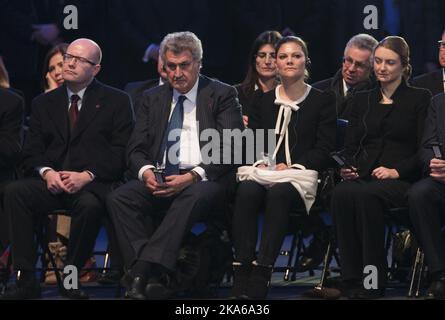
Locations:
(259, 281)
(241, 274)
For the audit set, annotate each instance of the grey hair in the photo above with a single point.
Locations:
(362, 41)
(179, 42)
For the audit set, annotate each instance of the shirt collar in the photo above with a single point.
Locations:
(345, 87)
(81, 93)
(191, 95)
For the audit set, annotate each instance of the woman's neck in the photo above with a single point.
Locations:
(294, 90)
(267, 84)
(388, 89)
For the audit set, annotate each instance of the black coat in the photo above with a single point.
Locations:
(434, 131)
(98, 141)
(311, 129)
(387, 135)
(342, 102)
(11, 128)
(136, 91)
(217, 107)
(432, 81)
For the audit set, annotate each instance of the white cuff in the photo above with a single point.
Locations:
(143, 169)
(42, 170)
(201, 172)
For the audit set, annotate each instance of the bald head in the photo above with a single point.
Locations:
(90, 48)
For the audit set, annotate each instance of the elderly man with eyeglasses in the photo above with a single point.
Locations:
(73, 156)
(355, 75)
(434, 81)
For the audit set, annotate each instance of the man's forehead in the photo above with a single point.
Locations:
(358, 54)
(183, 56)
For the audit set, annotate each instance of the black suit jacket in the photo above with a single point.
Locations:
(434, 131)
(387, 135)
(136, 91)
(217, 107)
(311, 130)
(12, 108)
(432, 81)
(97, 142)
(342, 102)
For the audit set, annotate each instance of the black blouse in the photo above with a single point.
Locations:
(312, 129)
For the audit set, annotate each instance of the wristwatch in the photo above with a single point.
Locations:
(196, 177)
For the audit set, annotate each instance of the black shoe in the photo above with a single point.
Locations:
(75, 294)
(22, 291)
(157, 289)
(241, 274)
(110, 278)
(136, 289)
(363, 294)
(436, 291)
(315, 252)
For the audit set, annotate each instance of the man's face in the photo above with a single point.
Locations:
(356, 67)
(182, 70)
(442, 52)
(79, 66)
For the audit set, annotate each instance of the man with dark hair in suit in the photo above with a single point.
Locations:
(74, 155)
(426, 198)
(11, 119)
(434, 81)
(153, 214)
(136, 89)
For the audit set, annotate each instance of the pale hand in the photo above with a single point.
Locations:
(437, 167)
(174, 185)
(348, 174)
(54, 182)
(382, 173)
(150, 181)
(75, 181)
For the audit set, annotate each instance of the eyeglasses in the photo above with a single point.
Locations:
(69, 57)
(441, 44)
(359, 65)
(264, 55)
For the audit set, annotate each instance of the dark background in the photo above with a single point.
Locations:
(124, 29)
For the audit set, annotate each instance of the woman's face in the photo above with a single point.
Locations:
(265, 62)
(291, 61)
(55, 68)
(387, 65)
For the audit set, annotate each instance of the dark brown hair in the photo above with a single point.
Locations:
(60, 48)
(399, 46)
(303, 46)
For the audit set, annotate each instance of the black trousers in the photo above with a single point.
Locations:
(426, 201)
(277, 203)
(152, 229)
(26, 200)
(359, 208)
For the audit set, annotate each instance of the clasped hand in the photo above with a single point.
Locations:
(172, 185)
(66, 181)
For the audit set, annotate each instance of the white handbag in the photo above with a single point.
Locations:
(305, 181)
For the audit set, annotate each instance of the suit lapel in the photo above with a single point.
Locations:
(58, 112)
(204, 104)
(91, 104)
(438, 81)
(162, 116)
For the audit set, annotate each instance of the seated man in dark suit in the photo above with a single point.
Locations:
(434, 81)
(136, 89)
(11, 129)
(355, 75)
(170, 120)
(73, 155)
(426, 198)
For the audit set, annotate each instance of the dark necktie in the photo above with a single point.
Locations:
(175, 123)
(74, 110)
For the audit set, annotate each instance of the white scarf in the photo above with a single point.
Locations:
(283, 120)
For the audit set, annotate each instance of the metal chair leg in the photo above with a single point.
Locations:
(414, 272)
(419, 281)
(291, 255)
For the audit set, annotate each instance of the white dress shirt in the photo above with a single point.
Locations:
(190, 150)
